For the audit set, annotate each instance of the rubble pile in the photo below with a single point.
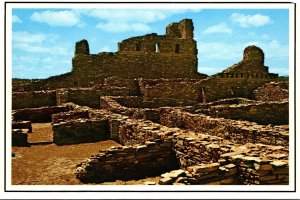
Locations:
(273, 91)
(204, 174)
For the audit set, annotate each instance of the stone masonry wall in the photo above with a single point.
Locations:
(33, 99)
(237, 131)
(128, 162)
(213, 160)
(42, 114)
(185, 92)
(109, 103)
(276, 113)
(212, 89)
(89, 96)
(205, 159)
(80, 131)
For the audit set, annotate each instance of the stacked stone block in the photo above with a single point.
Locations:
(237, 131)
(19, 138)
(275, 113)
(37, 115)
(128, 162)
(81, 130)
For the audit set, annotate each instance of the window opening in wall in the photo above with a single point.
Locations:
(236, 75)
(138, 46)
(157, 48)
(176, 48)
(256, 75)
(242, 75)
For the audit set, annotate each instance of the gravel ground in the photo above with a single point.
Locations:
(49, 164)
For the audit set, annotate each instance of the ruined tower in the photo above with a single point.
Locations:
(82, 47)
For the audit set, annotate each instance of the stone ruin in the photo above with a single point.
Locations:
(172, 121)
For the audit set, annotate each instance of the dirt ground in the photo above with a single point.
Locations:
(44, 163)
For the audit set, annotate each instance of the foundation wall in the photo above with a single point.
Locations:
(237, 131)
(128, 162)
(80, 131)
(36, 115)
(276, 113)
(34, 99)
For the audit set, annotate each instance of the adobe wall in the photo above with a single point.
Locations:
(275, 113)
(238, 131)
(33, 99)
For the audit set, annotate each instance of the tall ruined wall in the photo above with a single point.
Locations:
(87, 68)
(185, 92)
(252, 65)
(148, 56)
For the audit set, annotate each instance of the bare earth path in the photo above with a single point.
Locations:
(49, 164)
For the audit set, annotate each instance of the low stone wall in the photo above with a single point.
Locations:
(89, 96)
(80, 131)
(34, 99)
(237, 131)
(214, 160)
(70, 115)
(275, 113)
(36, 115)
(128, 162)
(22, 125)
(109, 103)
(19, 138)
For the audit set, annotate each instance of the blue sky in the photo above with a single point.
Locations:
(43, 39)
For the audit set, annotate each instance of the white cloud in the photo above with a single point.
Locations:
(57, 18)
(113, 20)
(256, 20)
(219, 28)
(37, 43)
(123, 27)
(16, 19)
(25, 37)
